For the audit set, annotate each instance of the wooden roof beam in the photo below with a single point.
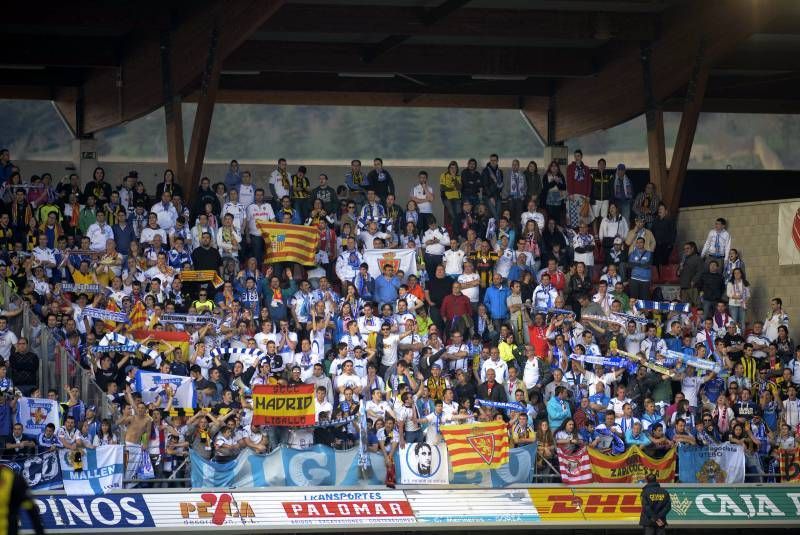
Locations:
(113, 97)
(400, 20)
(615, 95)
(412, 59)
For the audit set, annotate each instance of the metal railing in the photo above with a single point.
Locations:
(57, 368)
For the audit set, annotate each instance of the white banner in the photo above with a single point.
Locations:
(35, 413)
(92, 471)
(789, 233)
(151, 386)
(401, 259)
(423, 464)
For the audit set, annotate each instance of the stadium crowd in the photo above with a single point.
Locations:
(531, 273)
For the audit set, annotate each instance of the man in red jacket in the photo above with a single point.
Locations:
(456, 309)
(579, 187)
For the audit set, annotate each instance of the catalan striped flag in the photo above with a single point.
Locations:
(138, 316)
(789, 461)
(476, 446)
(632, 466)
(576, 468)
(289, 243)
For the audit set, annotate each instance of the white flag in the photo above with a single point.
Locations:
(423, 464)
(92, 471)
(151, 385)
(400, 259)
(789, 233)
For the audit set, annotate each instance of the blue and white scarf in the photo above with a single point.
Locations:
(664, 306)
(190, 319)
(118, 339)
(500, 405)
(105, 315)
(81, 288)
(616, 362)
(128, 348)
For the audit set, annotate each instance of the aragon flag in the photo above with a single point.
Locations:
(289, 243)
(476, 446)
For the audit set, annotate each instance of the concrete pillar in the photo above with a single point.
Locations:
(84, 157)
(558, 153)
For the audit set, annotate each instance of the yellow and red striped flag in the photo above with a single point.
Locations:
(477, 446)
(289, 243)
(138, 316)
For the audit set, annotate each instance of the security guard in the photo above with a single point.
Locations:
(15, 496)
(656, 504)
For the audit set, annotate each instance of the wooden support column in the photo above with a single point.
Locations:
(686, 131)
(173, 115)
(656, 149)
(175, 150)
(654, 116)
(202, 119)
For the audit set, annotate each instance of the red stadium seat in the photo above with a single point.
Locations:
(669, 274)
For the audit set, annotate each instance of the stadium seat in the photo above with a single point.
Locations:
(669, 274)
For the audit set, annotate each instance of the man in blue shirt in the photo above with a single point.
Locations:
(640, 259)
(495, 301)
(386, 286)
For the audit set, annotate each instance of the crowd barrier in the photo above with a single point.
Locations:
(429, 509)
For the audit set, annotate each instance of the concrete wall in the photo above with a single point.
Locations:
(405, 177)
(754, 229)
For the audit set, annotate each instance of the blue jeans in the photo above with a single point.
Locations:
(738, 314)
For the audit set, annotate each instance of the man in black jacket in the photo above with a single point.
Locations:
(656, 504)
(689, 272)
(711, 286)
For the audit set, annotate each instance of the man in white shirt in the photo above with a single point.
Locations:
(583, 243)
(368, 323)
(152, 229)
(718, 243)
(228, 238)
(775, 319)
(165, 212)
(759, 340)
(422, 194)
(247, 192)
(533, 214)
(321, 403)
(544, 295)
(497, 364)
(368, 235)
(280, 184)
(348, 262)
(388, 348)
(46, 257)
(454, 260)
(235, 208)
(435, 239)
(100, 232)
(470, 283)
(533, 370)
(259, 210)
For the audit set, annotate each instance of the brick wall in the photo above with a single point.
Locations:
(754, 229)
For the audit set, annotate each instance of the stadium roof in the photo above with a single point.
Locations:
(585, 55)
(571, 66)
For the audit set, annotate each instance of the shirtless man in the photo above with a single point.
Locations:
(137, 425)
